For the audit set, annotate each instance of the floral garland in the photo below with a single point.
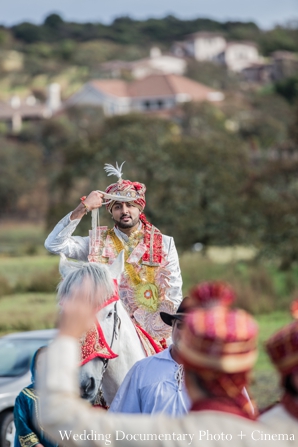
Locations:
(146, 292)
(147, 282)
(131, 271)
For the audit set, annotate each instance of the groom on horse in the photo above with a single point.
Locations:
(151, 282)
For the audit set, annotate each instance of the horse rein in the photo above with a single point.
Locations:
(114, 335)
(100, 400)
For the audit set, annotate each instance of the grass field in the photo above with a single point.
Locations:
(21, 238)
(18, 269)
(27, 311)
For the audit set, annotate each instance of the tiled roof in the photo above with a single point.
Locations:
(183, 85)
(114, 87)
(155, 86)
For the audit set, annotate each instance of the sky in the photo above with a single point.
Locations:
(266, 13)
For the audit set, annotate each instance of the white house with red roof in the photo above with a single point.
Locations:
(152, 93)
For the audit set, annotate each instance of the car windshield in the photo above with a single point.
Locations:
(16, 355)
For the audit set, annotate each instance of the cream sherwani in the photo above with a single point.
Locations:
(73, 422)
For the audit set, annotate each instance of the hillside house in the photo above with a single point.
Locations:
(157, 63)
(258, 73)
(208, 46)
(154, 93)
(17, 109)
(202, 46)
(239, 55)
(285, 65)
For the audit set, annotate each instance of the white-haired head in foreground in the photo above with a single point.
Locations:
(95, 277)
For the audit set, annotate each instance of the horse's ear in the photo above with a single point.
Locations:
(117, 268)
(66, 266)
(63, 269)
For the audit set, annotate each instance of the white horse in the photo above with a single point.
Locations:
(115, 345)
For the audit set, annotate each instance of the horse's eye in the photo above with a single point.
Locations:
(110, 314)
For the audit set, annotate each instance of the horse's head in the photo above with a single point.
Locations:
(99, 342)
(98, 347)
(101, 278)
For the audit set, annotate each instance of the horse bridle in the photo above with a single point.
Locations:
(100, 400)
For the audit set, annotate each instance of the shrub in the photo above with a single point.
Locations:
(43, 282)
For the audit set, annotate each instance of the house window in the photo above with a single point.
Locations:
(153, 105)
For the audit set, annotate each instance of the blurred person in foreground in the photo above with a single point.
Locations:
(156, 383)
(218, 348)
(209, 295)
(152, 281)
(282, 348)
(29, 431)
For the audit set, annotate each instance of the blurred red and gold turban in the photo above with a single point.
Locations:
(220, 346)
(208, 294)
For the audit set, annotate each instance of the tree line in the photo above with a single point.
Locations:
(125, 30)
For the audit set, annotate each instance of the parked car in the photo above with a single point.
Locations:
(16, 352)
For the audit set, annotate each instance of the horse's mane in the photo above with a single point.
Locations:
(100, 281)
